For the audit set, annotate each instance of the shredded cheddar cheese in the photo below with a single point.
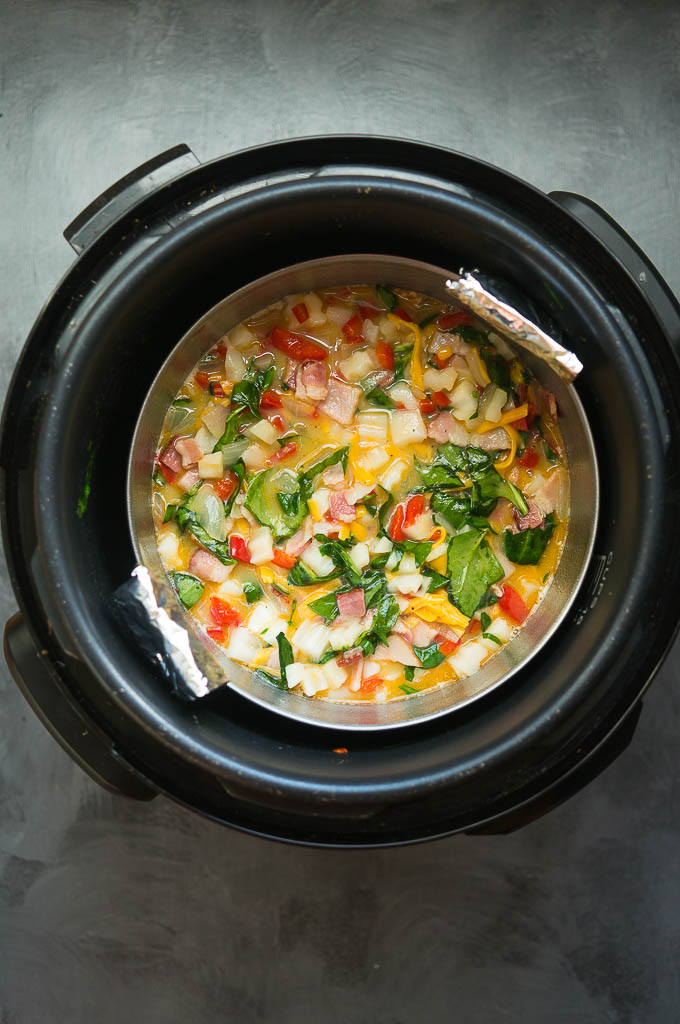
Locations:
(434, 608)
(508, 417)
(510, 457)
(416, 355)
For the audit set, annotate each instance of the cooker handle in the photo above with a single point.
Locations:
(642, 270)
(71, 728)
(125, 193)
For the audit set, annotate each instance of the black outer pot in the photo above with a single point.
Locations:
(155, 256)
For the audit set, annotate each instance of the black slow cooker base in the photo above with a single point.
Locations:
(225, 756)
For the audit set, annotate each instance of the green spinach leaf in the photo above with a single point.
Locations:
(253, 592)
(527, 546)
(472, 568)
(189, 588)
(430, 656)
(387, 297)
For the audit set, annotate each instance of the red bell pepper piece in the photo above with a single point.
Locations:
(300, 312)
(270, 400)
(283, 453)
(226, 486)
(455, 319)
(167, 473)
(352, 329)
(222, 613)
(396, 527)
(277, 421)
(447, 647)
(414, 508)
(221, 350)
(367, 312)
(385, 354)
(403, 315)
(238, 549)
(203, 380)
(283, 560)
(371, 684)
(216, 633)
(528, 458)
(427, 406)
(513, 604)
(520, 424)
(297, 346)
(440, 399)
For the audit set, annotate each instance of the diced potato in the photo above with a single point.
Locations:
(253, 457)
(338, 314)
(314, 307)
(321, 499)
(491, 403)
(370, 332)
(263, 431)
(421, 528)
(380, 545)
(437, 551)
(467, 659)
(408, 584)
(311, 638)
(407, 564)
(372, 426)
(464, 399)
(359, 556)
(369, 669)
(407, 427)
(234, 363)
(211, 467)
(402, 395)
(168, 549)
(394, 474)
(205, 440)
(439, 380)
(356, 366)
(312, 678)
(265, 621)
(261, 545)
(243, 645)
(387, 328)
(320, 565)
(335, 674)
(344, 634)
(375, 459)
(230, 588)
(238, 338)
(215, 418)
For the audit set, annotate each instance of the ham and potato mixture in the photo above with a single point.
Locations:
(361, 493)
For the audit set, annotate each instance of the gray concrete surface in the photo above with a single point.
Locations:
(111, 911)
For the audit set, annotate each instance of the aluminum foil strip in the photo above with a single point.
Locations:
(506, 320)
(149, 609)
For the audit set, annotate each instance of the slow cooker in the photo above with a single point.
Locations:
(155, 253)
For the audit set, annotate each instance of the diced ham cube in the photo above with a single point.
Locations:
(311, 381)
(354, 654)
(170, 457)
(208, 567)
(188, 479)
(446, 428)
(422, 634)
(534, 517)
(352, 604)
(340, 509)
(549, 404)
(189, 449)
(342, 401)
(296, 544)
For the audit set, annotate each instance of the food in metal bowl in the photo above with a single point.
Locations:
(361, 493)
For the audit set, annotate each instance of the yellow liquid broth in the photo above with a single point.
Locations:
(319, 436)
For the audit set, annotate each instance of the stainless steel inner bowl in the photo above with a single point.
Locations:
(541, 624)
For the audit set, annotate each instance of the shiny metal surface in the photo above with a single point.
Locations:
(543, 621)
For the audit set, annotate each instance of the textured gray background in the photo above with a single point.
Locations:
(111, 911)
